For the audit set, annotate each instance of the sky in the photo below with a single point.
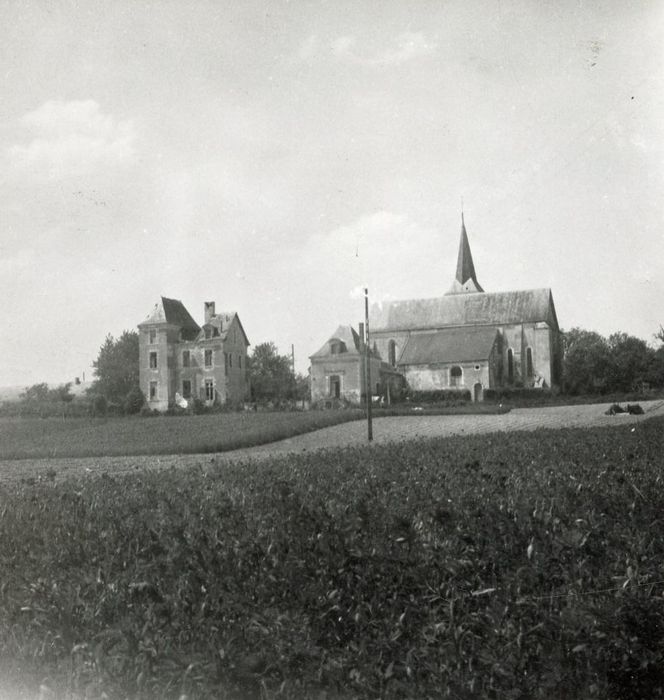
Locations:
(277, 157)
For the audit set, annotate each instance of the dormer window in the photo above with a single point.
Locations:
(153, 336)
(337, 347)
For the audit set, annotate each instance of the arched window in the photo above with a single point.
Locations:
(456, 376)
(392, 353)
(529, 362)
(510, 365)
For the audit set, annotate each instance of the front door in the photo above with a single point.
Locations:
(477, 392)
(335, 386)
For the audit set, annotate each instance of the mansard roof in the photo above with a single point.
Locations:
(482, 308)
(450, 345)
(172, 311)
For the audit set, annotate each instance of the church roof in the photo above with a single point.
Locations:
(174, 312)
(450, 345)
(494, 308)
(466, 280)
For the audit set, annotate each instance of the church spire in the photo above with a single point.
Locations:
(466, 280)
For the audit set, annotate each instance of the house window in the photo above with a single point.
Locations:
(208, 358)
(456, 376)
(186, 359)
(153, 360)
(226, 362)
(230, 360)
(392, 353)
(334, 348)
(529, 362)
(186, 388)
(208, 333)
(335, 386)
(209, 390)
(239, 361)
(153, 337)
(153, 391)
(510, 365)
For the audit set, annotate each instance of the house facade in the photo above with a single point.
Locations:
(469, 339)
(339, 371)
(181, 361)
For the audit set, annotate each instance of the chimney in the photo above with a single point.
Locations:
(208, 308)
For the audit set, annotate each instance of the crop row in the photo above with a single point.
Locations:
(501, 566)
(90, 437)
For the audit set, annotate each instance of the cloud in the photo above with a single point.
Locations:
(407, 46)
(72, 138)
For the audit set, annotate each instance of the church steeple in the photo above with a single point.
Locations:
(466, 280)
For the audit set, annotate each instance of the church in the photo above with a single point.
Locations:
(469, 339)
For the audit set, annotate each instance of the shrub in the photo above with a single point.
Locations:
(99, 405)
(134, 401)
(444, 396)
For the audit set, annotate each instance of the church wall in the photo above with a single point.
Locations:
(436, 377)
(381, 339)
(544, 353)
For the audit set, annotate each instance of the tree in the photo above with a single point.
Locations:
(36, 393)
(270, 374)
(116, 367)
(61, 393)
(629, 362)
(585, 363)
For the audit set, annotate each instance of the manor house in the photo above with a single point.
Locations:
(180, 361)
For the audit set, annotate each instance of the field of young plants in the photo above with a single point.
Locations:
(22, 438)
(511, 565)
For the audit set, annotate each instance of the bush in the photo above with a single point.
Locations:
(134, 401)
(441, 396)
(517, 393)
(99, 405)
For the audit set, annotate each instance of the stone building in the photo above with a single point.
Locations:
(338, 371)
(469, 339)
(180, 360)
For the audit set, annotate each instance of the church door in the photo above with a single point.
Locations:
(478, 394)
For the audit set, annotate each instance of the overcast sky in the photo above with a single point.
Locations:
(274, 157)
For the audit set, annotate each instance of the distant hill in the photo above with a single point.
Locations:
(10, 393)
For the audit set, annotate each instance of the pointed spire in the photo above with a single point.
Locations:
(466, 280)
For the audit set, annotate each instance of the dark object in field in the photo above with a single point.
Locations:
(634, 409)
(615, 408)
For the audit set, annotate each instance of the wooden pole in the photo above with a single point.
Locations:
(367, 357)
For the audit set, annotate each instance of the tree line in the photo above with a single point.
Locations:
(592, 365)
(620, 363)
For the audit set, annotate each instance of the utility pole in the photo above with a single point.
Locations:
(367, 365)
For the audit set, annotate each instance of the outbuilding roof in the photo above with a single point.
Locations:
(345, 334)
(450, 345)
(482, 308)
